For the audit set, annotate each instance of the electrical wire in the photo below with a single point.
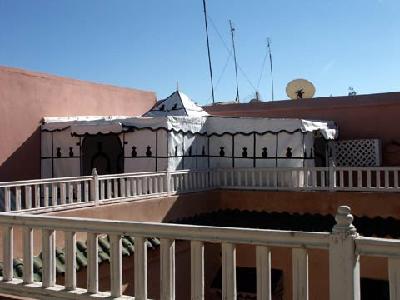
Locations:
(230, 51)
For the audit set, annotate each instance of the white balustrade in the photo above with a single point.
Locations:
(343, 245)
(97, 189)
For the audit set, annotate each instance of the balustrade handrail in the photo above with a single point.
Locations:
(276, 238)
(44, 181)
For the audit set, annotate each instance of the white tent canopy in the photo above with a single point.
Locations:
(185, 137)
(177, 104)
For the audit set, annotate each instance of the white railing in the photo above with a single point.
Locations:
(97, 189)
(344, 246)
(383, 179)
(42, 193)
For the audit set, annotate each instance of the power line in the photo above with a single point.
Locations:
(230, 52)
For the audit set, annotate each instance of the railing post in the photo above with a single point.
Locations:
(344, 263)
(94, 188)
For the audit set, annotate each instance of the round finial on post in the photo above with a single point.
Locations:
(344, 221)
(94, 172)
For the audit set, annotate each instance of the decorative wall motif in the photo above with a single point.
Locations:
(356, 153)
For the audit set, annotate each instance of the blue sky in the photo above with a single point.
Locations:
(152, 44)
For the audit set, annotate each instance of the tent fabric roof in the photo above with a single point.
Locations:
(209, 125)
(177, 104)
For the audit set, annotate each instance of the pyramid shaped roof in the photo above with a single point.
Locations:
(177, 104)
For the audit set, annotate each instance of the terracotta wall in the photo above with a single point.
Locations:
(27, 97)
(363, 116)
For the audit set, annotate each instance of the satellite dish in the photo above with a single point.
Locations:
(299, 89)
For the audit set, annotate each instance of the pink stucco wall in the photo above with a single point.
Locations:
(27, 97)
(362, 116)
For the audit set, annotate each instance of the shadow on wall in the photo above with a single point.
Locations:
(24, 162)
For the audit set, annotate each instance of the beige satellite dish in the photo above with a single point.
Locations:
(299, 89)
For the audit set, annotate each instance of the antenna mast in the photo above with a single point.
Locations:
(270, 63)
(208, 51)
(234, 56)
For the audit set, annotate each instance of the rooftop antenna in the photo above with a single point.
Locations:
(177, 86)
(208, 51)
(270, 63)
(234, 57)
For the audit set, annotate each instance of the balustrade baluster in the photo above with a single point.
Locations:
(102, 189)
(28, 197)
(37, 195)
(86, 191)
(368, 178)
(7, 199)
(228, 271)
(109, 188)
(63, 193)
(155, 185)
(93, 264)
(46, 195)
(8, 241)
(116, 185)
(28, 255)
(167, 269)
(48, 257)
(116, 265)
(122, 187)
(387, 182)
(161, 184)
(239, 179)
(140, 186)
(134, 187)
(78, 189)
(225, 173)
(197, 270)
(18, 198)
(350, 175)
(359, 179)
(70, 192)
(263, 264)
(378, 178)
(300, 274)
(54, 193)
(128, 187)
(140, 268)
(70, 260)
(149, 185)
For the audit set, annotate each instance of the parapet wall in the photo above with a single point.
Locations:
(27, 97)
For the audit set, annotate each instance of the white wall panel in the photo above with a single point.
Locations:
(66, 167)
